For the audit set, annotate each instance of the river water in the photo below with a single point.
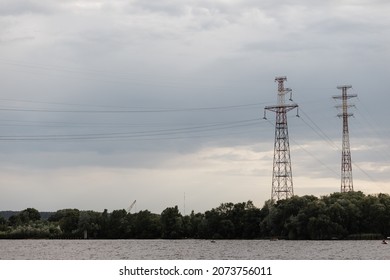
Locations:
(192, 250)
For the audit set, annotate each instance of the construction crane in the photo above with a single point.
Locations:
(131, 206)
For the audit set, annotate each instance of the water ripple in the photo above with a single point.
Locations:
(192, 250)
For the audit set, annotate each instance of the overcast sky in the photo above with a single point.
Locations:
(107, 102)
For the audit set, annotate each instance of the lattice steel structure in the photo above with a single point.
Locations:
(282, 183)
(346, 162)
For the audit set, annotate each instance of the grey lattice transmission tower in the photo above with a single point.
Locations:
(282, 183)
(346, 162)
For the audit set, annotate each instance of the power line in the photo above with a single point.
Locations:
(310, 154)
(128, 135)
(318, 130)
(149, 110)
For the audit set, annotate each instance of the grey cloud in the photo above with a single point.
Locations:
(171, 7)
(17, 39)
(336, 26)
(22, 7)
(181, 54)
(284, 46)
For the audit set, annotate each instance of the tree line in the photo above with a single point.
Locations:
(351, 215)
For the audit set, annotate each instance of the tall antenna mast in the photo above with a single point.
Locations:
(184, 204)
(346, 162)
(282, 183)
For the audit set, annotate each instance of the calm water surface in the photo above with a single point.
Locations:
(192, 250)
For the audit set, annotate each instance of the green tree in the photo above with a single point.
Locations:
(226, 229)
(118, 225)
(67, 219)
(384, 199)
(251, 223)
(3, 224)
(29, 214)
(209, 226)
(89, 223)
(322, 227)
(24, 217)
(172, 223)
(146, 225)
(14, 220)
(195, 231)
(187, 227)
(104, 224)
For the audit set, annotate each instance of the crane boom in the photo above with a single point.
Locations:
(131, 206)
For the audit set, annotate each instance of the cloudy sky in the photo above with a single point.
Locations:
(107, 102)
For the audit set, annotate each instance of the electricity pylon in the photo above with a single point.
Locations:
(282, 183)
(346, 162)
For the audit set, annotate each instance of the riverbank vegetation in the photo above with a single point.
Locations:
(352, 215)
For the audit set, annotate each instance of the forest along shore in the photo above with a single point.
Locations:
(351, 215)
